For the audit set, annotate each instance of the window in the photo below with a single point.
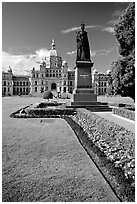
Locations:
(102, 84)
(70, 83)
(47, 75)
(17, 83)
(27, 83)
(64, 89)
(20, 83)
(24, 90)
(42, 82)
(27, 90)
(23, 83)
(64, 82)
(37, 75)
(8, 89)
(4, 83)
(42, 89)
(53, 75)
(35, 89)
(42, 75)
(35, 82)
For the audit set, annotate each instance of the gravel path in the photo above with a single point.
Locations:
(43, 161)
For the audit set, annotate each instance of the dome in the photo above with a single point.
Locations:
(64, 63)
(108, 71)
(95, 71)
(53, 52)
(9, 70)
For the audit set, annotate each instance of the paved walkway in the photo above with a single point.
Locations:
(127, 124)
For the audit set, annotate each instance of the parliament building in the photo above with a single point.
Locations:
(53, 74)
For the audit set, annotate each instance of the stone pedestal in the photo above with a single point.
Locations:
(83, 93)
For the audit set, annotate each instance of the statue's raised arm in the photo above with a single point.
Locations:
(83, 50)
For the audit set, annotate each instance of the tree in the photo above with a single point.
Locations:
(48, 95)
(123, 70)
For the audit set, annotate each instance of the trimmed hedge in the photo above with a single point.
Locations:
(50, 111)
(43, 113)
(124, 113)
(122, 105)
(117, 143)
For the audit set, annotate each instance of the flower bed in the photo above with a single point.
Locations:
(115, 143)
(124, 112)
(49, 112)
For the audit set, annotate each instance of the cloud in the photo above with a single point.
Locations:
(78, 28)
(117, 13)
(72, 52)
(115, 16)
(113, 21)
(70, 30)
(22, 64)
(102, 52)
(108, 29)
(99, 27)
(96, 52)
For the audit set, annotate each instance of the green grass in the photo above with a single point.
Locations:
(45, 162)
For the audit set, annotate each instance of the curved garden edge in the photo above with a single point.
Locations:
(110, 146)
(113, 175)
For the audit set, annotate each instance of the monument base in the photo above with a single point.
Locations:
(83, 93)
(84, 97)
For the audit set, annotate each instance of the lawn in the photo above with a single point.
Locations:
(43, 161)
(115, 99)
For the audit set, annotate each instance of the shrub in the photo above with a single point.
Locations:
(36, 112)
(124, 112)
(48, 95)
(117, 143)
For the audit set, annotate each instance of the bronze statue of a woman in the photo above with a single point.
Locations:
(83, 50)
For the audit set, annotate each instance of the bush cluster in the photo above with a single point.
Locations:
(47, 104)
(124, 112)
(47, 112)
(117, 143)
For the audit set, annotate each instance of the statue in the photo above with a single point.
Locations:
(83, 51)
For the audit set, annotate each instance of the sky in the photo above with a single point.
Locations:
(29, 27)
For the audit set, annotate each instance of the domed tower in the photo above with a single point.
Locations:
(108, 72)
(53, 59)
(94, 75)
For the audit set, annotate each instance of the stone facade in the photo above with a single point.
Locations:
(71, 81)
(53, 74)
(99, 82)
(14, 85)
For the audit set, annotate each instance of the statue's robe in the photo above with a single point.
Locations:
(83, 51)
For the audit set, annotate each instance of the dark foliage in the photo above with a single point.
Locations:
(123, 70)
(48, 95)
(129, 114)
